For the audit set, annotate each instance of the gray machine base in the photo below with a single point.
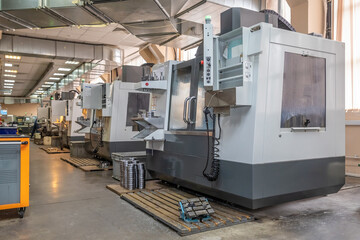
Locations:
(252, 186)
(77, 138)
(108, 148)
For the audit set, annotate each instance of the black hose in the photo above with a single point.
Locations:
(213, 152)
(75, 91)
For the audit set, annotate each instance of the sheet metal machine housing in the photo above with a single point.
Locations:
(110, 109)
(281, 99)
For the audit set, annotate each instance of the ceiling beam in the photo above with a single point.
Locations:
(48, 69)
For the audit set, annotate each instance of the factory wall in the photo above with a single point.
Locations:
(352, 143)
(308, 16)
(21, 109)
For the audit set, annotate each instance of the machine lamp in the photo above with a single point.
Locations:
(208, 19)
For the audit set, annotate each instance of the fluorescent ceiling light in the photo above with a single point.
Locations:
(9, 81)
(64, 69)
(72, 62)
(12, 57)
(54, 78)
(7, 93)
(59, 74)
(10, 71)
(40, 88)
(8, 65)
(9, 75)
(51, 83)
(46, 86)
(8, 84)
(38, 91)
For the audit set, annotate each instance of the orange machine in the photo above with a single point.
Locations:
(14, 173)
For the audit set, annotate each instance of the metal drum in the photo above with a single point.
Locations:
(130, 172)
(141, 175)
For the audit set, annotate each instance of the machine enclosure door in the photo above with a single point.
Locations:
(187, 97)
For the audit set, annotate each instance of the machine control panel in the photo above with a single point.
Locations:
(106, 100)
(91, 96)
(208, 53)
(248, 71)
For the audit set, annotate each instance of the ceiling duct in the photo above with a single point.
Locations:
(48, 13)
(52, 13)
(97, 13)
(175, 23)
(77, 12)
(172, 7)
(43, 75)
(10, 22)
(130, 12)
(188, 6)
(196, 10)
(58, 49)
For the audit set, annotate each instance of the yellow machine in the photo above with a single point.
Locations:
(14, 173)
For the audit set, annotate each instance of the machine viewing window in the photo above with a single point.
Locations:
(304, 91)
(137, 103)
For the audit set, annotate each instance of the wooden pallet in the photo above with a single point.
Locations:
(150, 185)
(162, 204)
(85, 164)
(54, 150)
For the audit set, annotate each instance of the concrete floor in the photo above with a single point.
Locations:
(67, 203)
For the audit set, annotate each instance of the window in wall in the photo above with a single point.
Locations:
(346, 29)
(189, 54)
(136, 61)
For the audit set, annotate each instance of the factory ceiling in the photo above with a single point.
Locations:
(29, 64)
(118, 22)
(126, 24)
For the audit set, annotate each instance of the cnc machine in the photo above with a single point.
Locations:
(111, 107)
(257, 118)
(69, 126)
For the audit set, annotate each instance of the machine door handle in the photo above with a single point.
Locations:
(193, 98)
(185, 109)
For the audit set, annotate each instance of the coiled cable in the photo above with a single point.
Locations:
(213, 152)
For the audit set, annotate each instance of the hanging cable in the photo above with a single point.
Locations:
(213, 151)
(75, 91)
(99, 140)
